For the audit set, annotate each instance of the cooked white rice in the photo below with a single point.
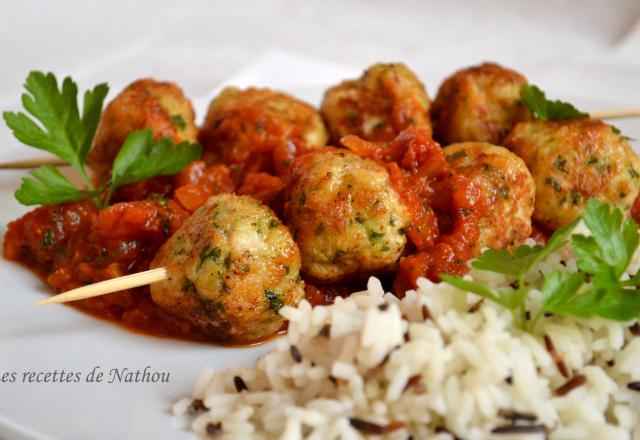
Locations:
(452, 369)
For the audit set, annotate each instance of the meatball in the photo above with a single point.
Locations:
(385, 100)
(345, 215)
(144, 104)
(573, 161)
(259, 130)
(507, 190)
(478, 104)
(231, 266)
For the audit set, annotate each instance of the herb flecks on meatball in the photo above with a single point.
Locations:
(232, 265)
(573, 161)
(345, 215)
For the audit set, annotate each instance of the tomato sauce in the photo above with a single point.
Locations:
(445, 208)
(74, 244)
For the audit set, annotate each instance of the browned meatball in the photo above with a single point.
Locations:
(231, 266)
(144, 104)
(507, 189)
(385, 100)
(345, 215)
(478, 104)
(573, 161)
(259, 130)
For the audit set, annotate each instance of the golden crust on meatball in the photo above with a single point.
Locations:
(144, 104)
(478, 104)
(385, 100)
(231, 266)
(259, 129)
(344, 215)
(573, 161)
(507, 189)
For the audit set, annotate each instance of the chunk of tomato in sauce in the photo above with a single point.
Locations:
(196, 183)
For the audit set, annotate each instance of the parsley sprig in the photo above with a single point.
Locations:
(554, 110)
(56, 125)
(63, 131)
(596, 289)
(546, 109)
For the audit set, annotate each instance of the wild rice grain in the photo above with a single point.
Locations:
(443, 430)
(325, 331)
(367, 427)
(635, 329)
(240, 384)
(383, 306)
(415, 382)
(196, 406)
(519, 429)
(476, 306)
(394, 425)
(572, 384)
(562, 367)
(514, 415)
(426, 313)
(634, 386)
(214, 429)
(295, 353)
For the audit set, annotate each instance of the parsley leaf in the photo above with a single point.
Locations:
(547, 110)
(63, 131)
(612, 243)
(49, 186)
(141, 158)
(559, 289)
(605, 297)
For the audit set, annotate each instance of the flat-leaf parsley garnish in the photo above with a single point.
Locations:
(546, 109)
(597, 288)
(554, 110)
(54, 123)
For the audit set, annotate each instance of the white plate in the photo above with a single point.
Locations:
(60, 338)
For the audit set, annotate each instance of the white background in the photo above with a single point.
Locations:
(200, 43)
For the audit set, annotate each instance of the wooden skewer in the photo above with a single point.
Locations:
(108, 286)
(32, 163)
(616, 113)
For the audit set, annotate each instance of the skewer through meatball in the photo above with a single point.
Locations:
(232, 265)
